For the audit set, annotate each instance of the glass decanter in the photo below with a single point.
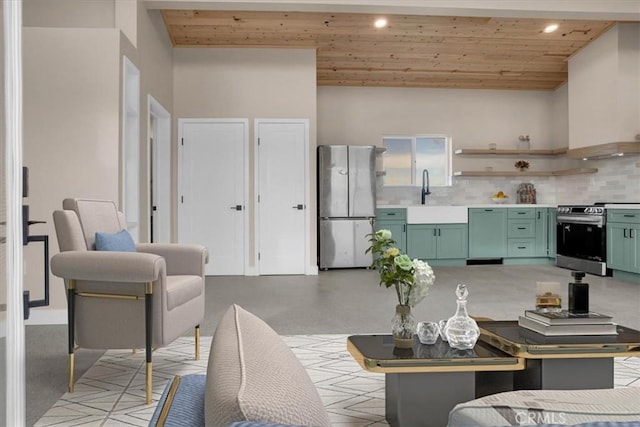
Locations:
(462, 331)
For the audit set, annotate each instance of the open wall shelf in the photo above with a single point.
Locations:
(483, 152)
(564, 172)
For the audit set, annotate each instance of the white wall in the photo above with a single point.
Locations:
(249, 83)
(604, 89)
(68, 13)
(71, 129)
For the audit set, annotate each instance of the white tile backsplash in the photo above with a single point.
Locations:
(617, 180)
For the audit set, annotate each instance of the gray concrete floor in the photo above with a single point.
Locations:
(338, 301)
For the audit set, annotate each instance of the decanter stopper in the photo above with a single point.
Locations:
(462, 331)
(462, 291)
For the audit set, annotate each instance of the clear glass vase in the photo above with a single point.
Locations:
(462, 331)
(402, 326)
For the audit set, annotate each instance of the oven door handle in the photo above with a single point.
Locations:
(589, 220)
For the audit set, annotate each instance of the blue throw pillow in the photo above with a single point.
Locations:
(120, 242)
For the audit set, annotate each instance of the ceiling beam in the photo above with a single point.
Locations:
(614, 10)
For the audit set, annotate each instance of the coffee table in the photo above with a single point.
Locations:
(425, 382)
(561, 363)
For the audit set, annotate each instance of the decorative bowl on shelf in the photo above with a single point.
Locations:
(500, 199)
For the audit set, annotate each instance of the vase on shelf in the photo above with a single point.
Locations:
(402, 326)
(462, 331)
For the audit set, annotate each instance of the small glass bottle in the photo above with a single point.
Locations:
(578, 294)
(462, 331)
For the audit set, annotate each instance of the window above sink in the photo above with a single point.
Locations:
(406, 157)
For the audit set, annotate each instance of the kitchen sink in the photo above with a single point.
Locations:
(421, 214)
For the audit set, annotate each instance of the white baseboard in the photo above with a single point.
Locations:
(250, 271)
(312, 270)
(46, 317)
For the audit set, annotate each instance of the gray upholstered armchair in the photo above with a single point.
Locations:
(116, 300)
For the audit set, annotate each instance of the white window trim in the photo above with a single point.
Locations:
(413, 139)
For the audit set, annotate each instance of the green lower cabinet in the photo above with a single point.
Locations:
(623, 242)
(542, 232)
(398, 231)
(623, 247)
(552, 219)
(521, 248)
(394, 220)
(487, 232)
(437, 241)
(518, 235)
(453, 241)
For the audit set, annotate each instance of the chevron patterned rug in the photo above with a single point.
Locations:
(112, 392)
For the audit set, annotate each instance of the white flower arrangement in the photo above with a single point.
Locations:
(411, 279)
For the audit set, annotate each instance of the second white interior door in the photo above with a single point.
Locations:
(282, 205)
(211, 202)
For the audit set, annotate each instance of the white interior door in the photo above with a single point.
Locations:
(282, 196)
(212, 191)
(159, 200)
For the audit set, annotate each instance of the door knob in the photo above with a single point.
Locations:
(236, 208)
(298, 207)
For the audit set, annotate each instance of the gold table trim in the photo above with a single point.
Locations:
(435, 365)
(558, 350)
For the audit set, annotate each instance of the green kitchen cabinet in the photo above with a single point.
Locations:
(487, 232)
(623, 240)
(394, 220)
(542, 232)
(422, 241)
(552, 227)
(437, 241)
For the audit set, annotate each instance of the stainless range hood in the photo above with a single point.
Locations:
(605, 151)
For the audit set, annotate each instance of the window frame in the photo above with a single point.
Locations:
(448, 153)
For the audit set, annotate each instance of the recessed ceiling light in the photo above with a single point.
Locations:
(550, 28)
(380, 23)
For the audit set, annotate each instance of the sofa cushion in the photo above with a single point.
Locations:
(120, 241)
(182, 288)
(252, 375)
(566, 407)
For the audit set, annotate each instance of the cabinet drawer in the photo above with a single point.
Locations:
(521, 247)
(520, 229)
(630, 216)
(523, 213)
(391, 214)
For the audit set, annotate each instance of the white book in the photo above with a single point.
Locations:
(565, 318)
(566, 330)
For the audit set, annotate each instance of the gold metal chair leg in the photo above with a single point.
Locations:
(198, 342)
(149, 382)
(71, 369)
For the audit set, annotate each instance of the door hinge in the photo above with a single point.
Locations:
(182, 141)
(181, 199)
(258, 142)
(258, 256)
(258, 198)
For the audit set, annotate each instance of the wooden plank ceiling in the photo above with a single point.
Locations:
(412, 51)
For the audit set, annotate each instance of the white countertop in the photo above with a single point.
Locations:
(616, 206)
(512, 205)
(494, 205)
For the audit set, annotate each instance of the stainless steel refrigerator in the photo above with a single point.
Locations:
(346, 204)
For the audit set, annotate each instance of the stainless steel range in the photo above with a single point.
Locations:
(582, 238)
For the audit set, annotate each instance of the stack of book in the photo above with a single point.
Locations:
(564, 323)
